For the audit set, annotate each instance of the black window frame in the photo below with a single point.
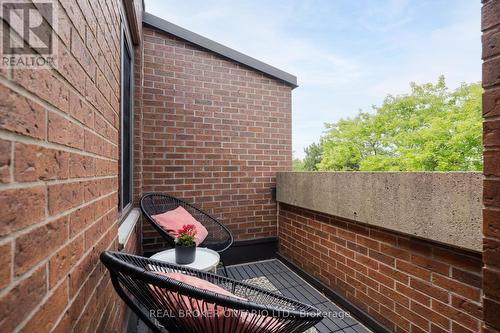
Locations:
(126, 153)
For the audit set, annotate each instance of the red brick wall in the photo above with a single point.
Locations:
(59, 130)
(409, 285)
(214, 133)
(491, 139)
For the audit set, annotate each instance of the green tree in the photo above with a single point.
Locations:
(298, 165)
(313, 157)
(311, 160)
(430, 129)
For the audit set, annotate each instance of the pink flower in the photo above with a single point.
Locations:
(187, 230)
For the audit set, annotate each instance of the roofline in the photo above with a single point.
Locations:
(213, 46)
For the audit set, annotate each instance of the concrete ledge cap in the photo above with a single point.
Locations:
(445, 207)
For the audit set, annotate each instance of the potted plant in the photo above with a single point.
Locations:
(185, 247)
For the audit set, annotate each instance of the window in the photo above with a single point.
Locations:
(126, 127)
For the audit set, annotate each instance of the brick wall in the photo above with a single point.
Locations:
(214, 133)
(408, 285)
(59, 130)
(491, 140)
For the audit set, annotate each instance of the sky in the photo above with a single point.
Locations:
(347, 55)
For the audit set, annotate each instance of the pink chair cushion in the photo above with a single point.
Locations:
(214, 314)
(173, 220)
(199, 283)
(195, 312)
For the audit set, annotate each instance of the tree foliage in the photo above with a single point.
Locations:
(430, 129)
(310, 162)
(313, 157)
(298, 165)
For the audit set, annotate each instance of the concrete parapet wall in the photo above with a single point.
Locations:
(439, 206)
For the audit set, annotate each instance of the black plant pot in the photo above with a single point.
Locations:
(185, 254)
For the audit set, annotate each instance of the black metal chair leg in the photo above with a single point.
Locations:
(225, 270)
(221, 262)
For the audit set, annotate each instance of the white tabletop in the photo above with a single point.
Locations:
(205, 260)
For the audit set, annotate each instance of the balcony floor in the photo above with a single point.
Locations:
(274, 275)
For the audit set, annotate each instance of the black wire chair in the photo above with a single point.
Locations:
(159, 300)
(219, 237)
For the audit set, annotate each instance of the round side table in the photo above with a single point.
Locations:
(206, 260)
